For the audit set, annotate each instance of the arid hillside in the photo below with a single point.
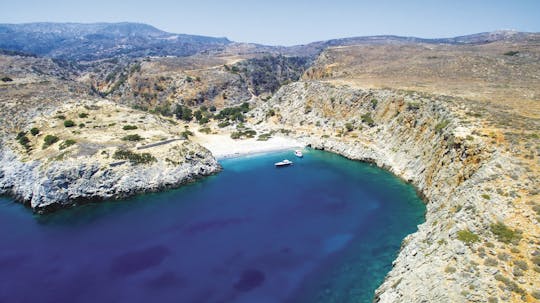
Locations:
(505, 72)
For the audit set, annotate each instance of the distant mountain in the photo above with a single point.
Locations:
(315, 48)
(93, 41)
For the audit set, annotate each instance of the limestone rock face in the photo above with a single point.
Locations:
(46, 187)
(430, 142)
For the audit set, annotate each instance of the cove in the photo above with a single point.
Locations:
(323, 230)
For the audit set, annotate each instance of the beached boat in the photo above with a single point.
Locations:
(283, 163)
(298, 153)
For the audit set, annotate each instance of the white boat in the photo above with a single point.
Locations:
(298, 153)
(283, 163)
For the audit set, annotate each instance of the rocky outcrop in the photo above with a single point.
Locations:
(467, 184)
(48, 186)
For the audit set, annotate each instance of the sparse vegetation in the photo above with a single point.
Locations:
(245, 133)
(504, 233)
(183, 113)
(441, 126)
(134, 158)
(467, 236)
(205, 130)
(510, 285)
(511, 53)
(49, 140)
(366, 118)
(450, 270)
(23, 140)
(129, 127)
(66, 144)
(186, 134)
(6, 79)
(264, 137)
(233, 113)
(490, 262)
(349, 126)
(134, 137)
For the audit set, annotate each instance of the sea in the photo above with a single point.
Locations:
(325, 229)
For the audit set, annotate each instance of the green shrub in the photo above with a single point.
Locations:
(34, 131)
(83, 115)
(198, 115)
(441, 126)
(247, 133)
(503, 233)
(233, 113)
(264, 137)
(185, 134)
(270, 113)
(223, 124)
(183, 112)
(49, 140)
(23, 140)
(205, 130)
(235, 135)
(511, 285)
(490, 262)
(213, 108)
(129, 127)
(521, 264)
(66, 144)
(413, 106)
(511, 53)
(6, 79)
(486, 196)
(374, 103)
(134, 158)
(349, 126)
(134, 137)
(450, 270)
(69, 123)
(467, 236)
(61, 117)
(82, 125)
(366, 118)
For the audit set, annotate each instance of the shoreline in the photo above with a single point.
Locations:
(224, 147)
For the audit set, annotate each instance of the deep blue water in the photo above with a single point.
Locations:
(323, 230)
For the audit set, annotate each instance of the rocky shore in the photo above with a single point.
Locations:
(469, 185)
(68, 183)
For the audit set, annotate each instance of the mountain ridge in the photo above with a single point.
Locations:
(94, 41)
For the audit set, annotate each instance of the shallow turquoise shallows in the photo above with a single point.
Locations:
(325, 229)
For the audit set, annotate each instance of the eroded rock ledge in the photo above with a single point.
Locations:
(469, 185)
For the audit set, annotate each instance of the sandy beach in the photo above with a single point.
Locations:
(222, 146)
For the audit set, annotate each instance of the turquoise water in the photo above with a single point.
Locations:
(323, 230)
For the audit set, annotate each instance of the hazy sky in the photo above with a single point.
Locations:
(290, 22)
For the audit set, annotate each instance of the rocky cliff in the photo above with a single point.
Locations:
(478, 242)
